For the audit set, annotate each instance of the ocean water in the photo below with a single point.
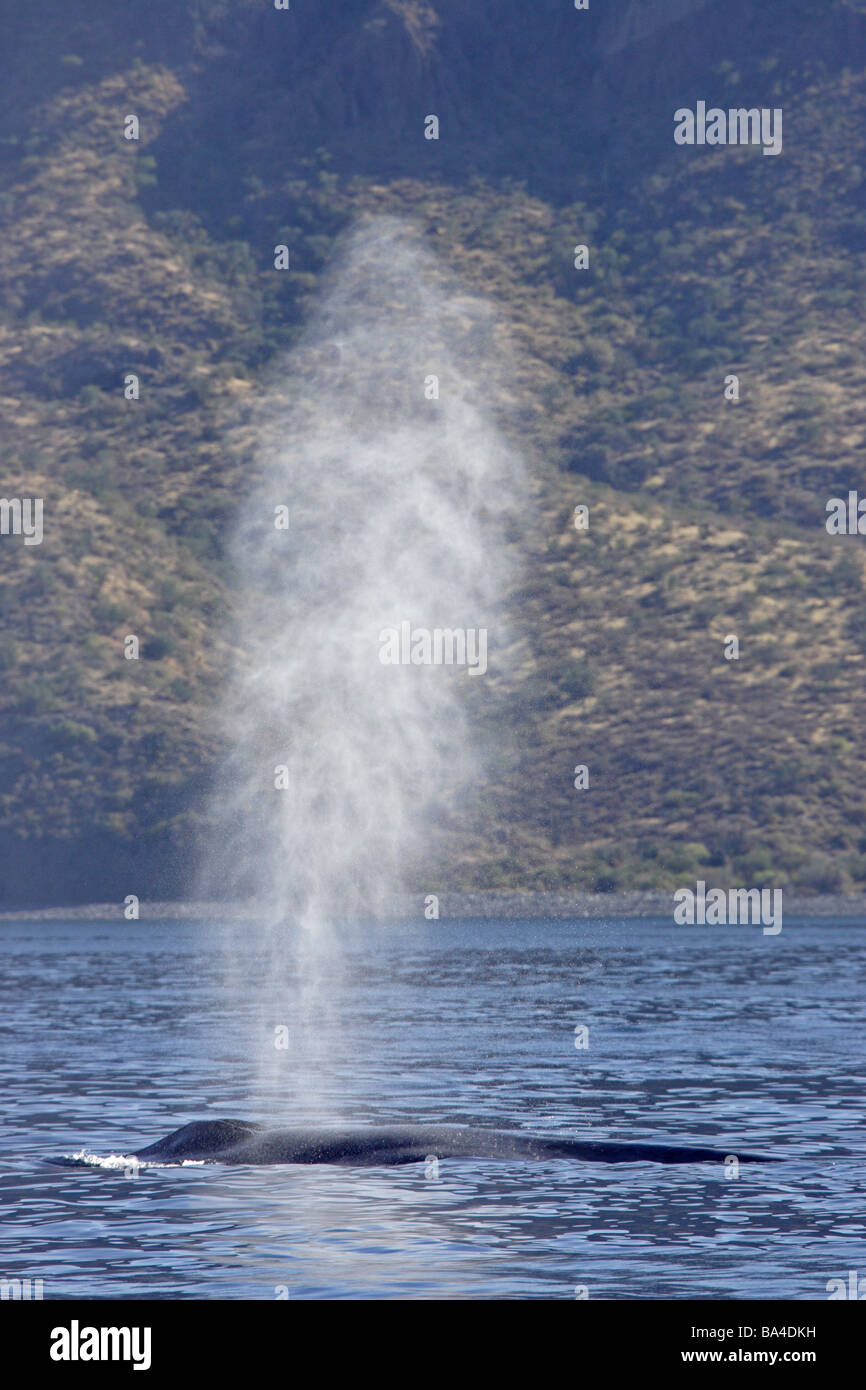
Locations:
(115, 1033)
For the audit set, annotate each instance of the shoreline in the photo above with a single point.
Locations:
(517, 906)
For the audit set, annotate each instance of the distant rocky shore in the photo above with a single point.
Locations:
(452, 906)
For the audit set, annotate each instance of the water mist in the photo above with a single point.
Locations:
(384, 502)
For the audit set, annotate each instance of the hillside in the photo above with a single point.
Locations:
(706, 516)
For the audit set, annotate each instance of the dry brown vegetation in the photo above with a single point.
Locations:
(706, 517)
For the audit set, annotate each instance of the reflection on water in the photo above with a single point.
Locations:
(115, 1034)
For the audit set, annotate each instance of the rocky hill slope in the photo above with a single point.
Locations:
(707, 517)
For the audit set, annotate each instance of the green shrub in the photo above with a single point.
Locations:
(577, 680)
(158, 646)
(820, 874)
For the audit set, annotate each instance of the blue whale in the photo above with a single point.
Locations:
(236, 1141)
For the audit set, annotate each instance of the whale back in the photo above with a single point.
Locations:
(235, 1141)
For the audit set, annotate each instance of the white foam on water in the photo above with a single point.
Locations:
(124, 1162)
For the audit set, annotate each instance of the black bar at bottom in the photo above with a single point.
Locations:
(220, 1339)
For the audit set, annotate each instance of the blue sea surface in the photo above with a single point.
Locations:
(113, 1034)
